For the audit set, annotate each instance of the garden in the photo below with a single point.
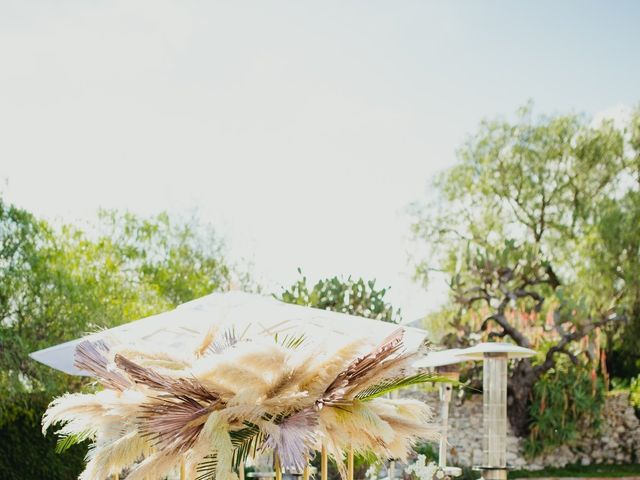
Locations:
(536, 229)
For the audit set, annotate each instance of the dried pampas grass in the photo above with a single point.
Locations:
(232, 398)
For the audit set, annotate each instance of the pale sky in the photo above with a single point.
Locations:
(300, 130)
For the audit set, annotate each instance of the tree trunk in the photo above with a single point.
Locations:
(520, 392)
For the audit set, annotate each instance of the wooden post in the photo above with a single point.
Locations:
(350, 464)
(241, 471)
(324, 471)
(183, 470)
(305, 472)
(116, 476)
(278, 468)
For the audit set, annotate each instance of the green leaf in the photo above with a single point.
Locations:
(67, 441)
(291, 342)
(382, 388)
(245, 441)
(207, 468)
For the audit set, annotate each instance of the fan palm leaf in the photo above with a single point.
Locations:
(391, 384)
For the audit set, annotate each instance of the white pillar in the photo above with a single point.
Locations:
(494, 399)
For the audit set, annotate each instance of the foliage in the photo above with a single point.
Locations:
(355, 297)
(181, 261)
(428, 449)
(26, 454)
(634, 392)
(536, 229)
(631, 386)
(567, 401)
(392, 384)
(58, 283)
(613, 253)
(580, 471)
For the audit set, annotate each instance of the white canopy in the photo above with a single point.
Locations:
(248, 314)
(458, 355)
(478, 351)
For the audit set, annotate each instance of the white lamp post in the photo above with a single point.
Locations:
(494, 401)
(436, 360)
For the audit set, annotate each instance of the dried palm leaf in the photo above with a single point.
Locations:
(172, 386)
(92, 357)
(293, 438)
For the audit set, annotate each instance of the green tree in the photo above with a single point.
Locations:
(612, 251)
(522, 226)
(59, 283)
(179, 260)
(355, 297)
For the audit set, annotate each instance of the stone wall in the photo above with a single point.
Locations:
(618, 440)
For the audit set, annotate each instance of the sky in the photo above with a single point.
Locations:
(302, 131)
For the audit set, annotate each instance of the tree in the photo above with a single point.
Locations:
(181, 260)
(355, 297)
(613, 253)
(58, 283)
(521, 226)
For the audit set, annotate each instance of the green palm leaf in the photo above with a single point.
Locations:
(207, 468)
(391, 384)
(67, 441)
(245, 442)
(291, 342)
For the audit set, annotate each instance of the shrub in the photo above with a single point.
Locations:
(567, 400)
(25, 454)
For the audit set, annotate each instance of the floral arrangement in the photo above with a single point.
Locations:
(423, 470)
(215, 407)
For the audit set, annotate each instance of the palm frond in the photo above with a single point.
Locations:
(65, 442)
(228, 340)
(245, 441)
(290, 342)
(207, 468)
(170, 420)
(294, 439)
(92, 357)
(391, 384)
(335, 394)
(174, 386)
